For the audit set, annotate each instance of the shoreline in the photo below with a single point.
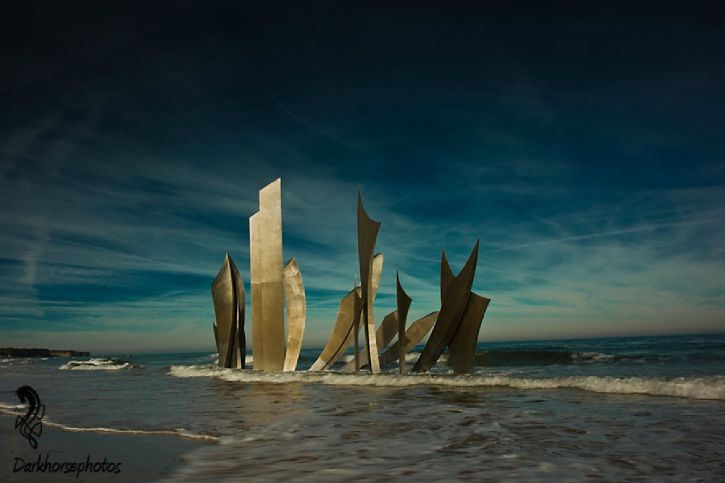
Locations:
(143, 455)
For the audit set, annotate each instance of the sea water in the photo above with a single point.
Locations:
(611, 409)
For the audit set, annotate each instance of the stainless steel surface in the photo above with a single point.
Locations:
(403, 304)
(240, 351)
(225, 310)
(462, 348)
(452, 309)
(227, 291)
(268, 332)
(378, 260)
(294, 292)
(256, 289)
(447, 276)
(367, 232)
(343, 333)
(456, 325)
(355, 331)
(387, 330)
(415, 333)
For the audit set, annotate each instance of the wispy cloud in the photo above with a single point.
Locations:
(122, 193)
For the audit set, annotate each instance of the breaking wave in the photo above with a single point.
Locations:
(498, 358)
(710, 387)
(494, 358)
(523, 357)
(98, 363)
(248, 360)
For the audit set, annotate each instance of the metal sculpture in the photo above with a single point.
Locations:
(462, 348)
(227, 292)
(271, 284)
(294, 293)
(343, 333)
(265, 273)
(447, 276)
(415, 333)
(367, 232)
(456, 326)
(386, 332)
(391, 326)
(356, 328)
(403, 303)
(456, 297)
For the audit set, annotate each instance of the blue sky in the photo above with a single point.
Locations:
(584, 148)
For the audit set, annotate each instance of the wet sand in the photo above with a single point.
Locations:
(142, 457)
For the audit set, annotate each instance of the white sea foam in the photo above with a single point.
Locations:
(414, 356)
(18, 410)
(247, 359)
(180, 432)
(711, 387)
(592, 357)
(98, 363)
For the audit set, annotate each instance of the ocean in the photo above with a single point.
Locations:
(618, 409)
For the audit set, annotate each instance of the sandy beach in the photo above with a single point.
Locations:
(141, 457)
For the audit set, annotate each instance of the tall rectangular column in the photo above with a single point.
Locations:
(265, 239)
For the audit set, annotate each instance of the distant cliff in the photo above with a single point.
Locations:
(61, 353)
(15, 352)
